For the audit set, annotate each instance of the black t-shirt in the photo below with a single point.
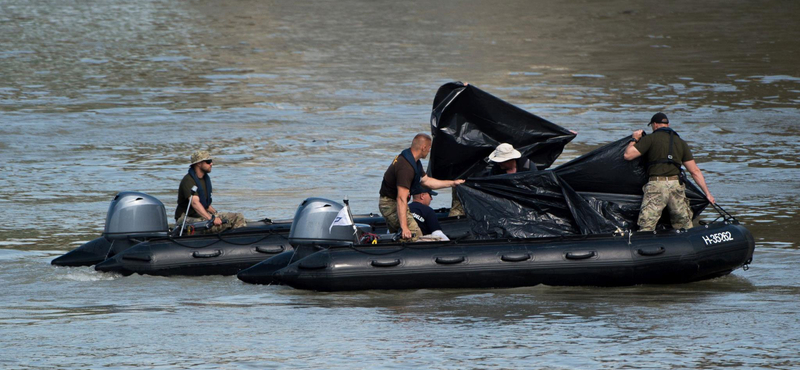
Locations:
(425, 217)
(399, 173)
(184, 191)
(656, 147)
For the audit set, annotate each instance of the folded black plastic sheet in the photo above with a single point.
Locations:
(467, 123)
(605, 171)
(599, 192)
(532, 204)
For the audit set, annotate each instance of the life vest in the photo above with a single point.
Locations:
(669, 159)
(205, 199)
(416, 186)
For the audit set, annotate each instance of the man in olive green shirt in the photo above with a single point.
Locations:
(665, 152)
(201, 208)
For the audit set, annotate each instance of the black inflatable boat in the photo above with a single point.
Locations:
(331, 259)
(218, 254)
(137, 239)
(567, 226)
(601, 260)
(135, 218)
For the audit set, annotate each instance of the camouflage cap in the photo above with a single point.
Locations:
(200, 155)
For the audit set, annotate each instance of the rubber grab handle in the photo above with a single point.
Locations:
(580, 255)
(270, 249)
(389, 263)
(651, 251)
(450, 260)
(516, 257)
(137, 257)
(213, 254)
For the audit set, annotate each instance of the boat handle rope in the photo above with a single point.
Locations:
(221, 239)
(353, 247)
(265, 236)
(726, 217)
(403, 246)
(110, 248)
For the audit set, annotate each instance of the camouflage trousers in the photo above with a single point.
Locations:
(660, 194)
(456, 208)
(230, 220)
(388, 208)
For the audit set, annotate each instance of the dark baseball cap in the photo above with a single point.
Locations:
(426, 190)
(659, 118)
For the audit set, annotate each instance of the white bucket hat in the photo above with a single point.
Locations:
(504, 152)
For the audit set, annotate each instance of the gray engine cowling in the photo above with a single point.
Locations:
(135, 214)
(312, 224)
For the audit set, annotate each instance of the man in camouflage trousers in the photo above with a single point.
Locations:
(665, 193)
(201, 208)
(665, 152)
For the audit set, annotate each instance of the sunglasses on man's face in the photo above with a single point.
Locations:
(208, 161)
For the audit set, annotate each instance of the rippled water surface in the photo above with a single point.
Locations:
(313, 99)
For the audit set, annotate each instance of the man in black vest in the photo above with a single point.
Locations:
(201, 208)
(404, 176)
(665, 152)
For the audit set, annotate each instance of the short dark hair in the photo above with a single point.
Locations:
(419, 140)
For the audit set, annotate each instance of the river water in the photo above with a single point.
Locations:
(299, 99)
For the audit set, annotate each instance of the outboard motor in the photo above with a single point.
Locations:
(133, 214)
(312, 224)
(312, 230)
(132, 217)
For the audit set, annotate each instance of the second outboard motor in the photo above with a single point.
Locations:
(312, 224)
(312, 230)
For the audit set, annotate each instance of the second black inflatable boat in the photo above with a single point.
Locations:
(137, 239)
(217, 254)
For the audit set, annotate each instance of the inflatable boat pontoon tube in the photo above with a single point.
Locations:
(666, 257)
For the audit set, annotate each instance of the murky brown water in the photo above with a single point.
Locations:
(311, 99)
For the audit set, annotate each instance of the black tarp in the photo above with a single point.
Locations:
(598, 192)
(467, 124)
(605, 174)
(531, 204)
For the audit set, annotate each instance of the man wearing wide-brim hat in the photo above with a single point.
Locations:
(201, 208)
(665, 152)
(505, 160)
